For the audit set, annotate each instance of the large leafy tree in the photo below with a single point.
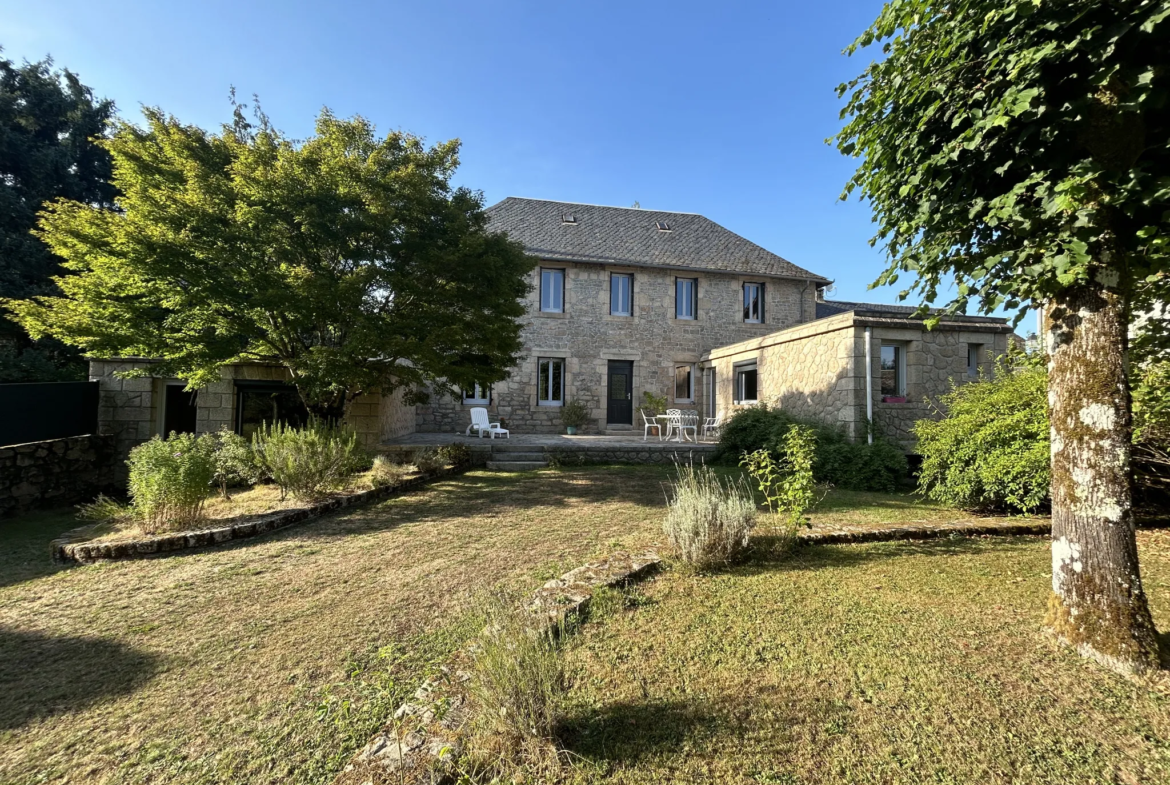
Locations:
(349, 259)
(50, 124)
(1018, 150)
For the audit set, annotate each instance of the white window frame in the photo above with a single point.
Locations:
(557, 301)
(973, 350)
(899, 369)
(692, 313)
(613, 280)
(690, 397)
(544, 397)
(740, 369)
(480, 395)
(760, 313)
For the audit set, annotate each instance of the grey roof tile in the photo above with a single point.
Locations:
(623, 235)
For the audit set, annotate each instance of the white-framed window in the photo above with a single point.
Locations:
(550, 381)
(621, 294)
(893, 370)
(753, 303)
(552, 290)
(478, 394)
(746, 383)
(973, 360)
(684, 383)
(686, 298)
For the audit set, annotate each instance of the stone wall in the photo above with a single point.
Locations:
(396, 418)
(55, 473)
(130, 410)
(816, 371)
(586, 337)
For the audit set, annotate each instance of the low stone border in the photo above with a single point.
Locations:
(844, 535)
(425, 737)
(73, 547)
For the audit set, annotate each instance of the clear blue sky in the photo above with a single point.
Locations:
(715, 108)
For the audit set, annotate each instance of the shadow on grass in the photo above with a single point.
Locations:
(24, 544)
(43, 675)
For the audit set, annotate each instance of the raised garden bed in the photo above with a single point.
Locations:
(79, 545)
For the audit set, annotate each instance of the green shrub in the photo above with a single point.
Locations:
(454, 454)
(990, 450)
(169, 481)
(429, 460)
(104, 509)
(384, 472)
(235, 462)
(308, 462)
(856, 466)
(574, 414)
(708, 520)
(653, 404)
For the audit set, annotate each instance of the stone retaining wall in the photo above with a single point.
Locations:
(55, 473)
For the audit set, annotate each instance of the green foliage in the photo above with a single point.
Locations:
(1151, 402)
(49, 126)
(787, 485)
(384, 472)
(235, 463)
(990, 450)
(104, 509)
(1014, 147)
(709, 520)
(653, 404)
(455, 454)
(308, 462)
(349, 259)
(839, 462)
(574, 414)
(429, 460)
(169, 480)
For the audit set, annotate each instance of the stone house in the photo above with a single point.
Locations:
(625, 301)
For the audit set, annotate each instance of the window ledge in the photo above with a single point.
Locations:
(550, 404)
(551, 314)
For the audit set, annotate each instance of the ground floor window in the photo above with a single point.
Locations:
(684, 383)
(269, 402)
(478, 394)
(179, 409)
(551, 382)
(973, 360)
(746, 383)
(709, 390)
(893, 371)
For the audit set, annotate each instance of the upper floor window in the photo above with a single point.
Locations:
(684, 383)
(893, 371)
(621, 294)
(550, 382)
(973, 360)
(478, 394)
(753, 303)
(746, 383)
(686, 301)
(552, 290)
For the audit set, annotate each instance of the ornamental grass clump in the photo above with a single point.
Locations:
(169, 481)
(518, 685)
(386, 472)
(708, 520)
(308, 462)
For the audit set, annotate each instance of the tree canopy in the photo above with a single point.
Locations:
(349, 259)
(50, 124)
(1001, 141)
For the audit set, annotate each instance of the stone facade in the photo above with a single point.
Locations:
(586, 337)
(55, 473)
(816, 371)
(130, 411)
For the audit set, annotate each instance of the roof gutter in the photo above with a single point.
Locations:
(551, 257)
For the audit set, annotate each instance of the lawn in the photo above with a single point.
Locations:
(886, 663)
(273, 659)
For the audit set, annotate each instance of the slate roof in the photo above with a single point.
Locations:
(630, 236)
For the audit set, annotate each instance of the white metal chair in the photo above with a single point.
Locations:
(712, 426)
(689, 421)
(672, 421)
(481, 424)
(649, 423)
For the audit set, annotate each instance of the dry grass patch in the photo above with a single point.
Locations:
(884, 663)
(272, 660)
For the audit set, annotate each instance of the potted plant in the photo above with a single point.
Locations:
(653, 404)
(574, 415)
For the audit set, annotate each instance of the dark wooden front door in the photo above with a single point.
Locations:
(178, 410)
(620, 408)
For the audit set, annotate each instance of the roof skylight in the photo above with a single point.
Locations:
(568, 218)
(663, 226)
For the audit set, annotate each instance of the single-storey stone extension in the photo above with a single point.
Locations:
(626, 301)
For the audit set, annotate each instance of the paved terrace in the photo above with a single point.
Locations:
(621, 447)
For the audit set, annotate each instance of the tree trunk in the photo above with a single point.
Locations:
(1097, 602)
